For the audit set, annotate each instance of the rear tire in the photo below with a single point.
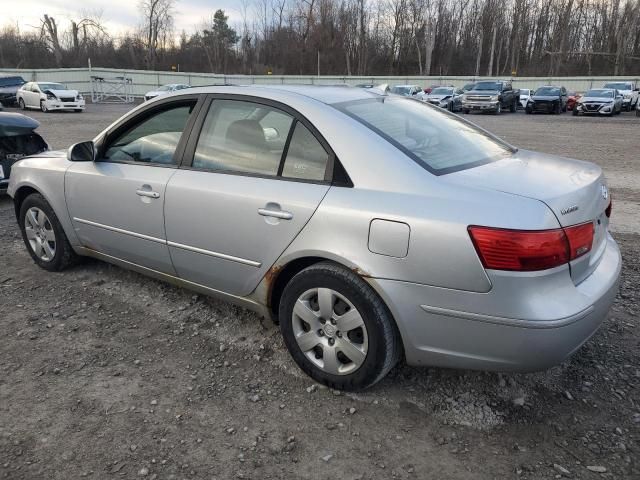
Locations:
(337, 329)
(514, 107)
(39, 226)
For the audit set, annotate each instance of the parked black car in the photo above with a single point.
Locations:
(17, 139)
(8, 88)
(548, 99)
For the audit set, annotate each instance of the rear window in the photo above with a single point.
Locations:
(439, 141)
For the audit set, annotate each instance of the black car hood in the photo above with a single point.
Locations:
(12, 124)
(544, 98)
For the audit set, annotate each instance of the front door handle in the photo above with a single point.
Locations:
(281, 214)
(147, 193)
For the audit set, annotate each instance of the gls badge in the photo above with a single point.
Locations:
(604, 191)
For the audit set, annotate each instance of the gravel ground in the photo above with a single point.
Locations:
(107, 374)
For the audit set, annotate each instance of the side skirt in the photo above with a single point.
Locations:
(245, 302)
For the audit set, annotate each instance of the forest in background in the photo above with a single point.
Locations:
(351, 37)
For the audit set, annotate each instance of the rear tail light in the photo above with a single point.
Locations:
(530, 250)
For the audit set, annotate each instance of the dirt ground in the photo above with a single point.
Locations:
(107, 374)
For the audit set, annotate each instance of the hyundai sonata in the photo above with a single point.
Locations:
(371, 227)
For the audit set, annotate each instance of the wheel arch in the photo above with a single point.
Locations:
(20, 195)
(279, 275)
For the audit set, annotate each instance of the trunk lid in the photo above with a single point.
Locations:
(575, 191)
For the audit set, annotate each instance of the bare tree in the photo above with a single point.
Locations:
(157, 24)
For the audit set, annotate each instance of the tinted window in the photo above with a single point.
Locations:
(438, 141)
(153, 140)
(51, 86)
(547, 91)
(306, 158)
(242, 137)
(599, 93)
(10, 81)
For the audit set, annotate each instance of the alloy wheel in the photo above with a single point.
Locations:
(330, 331)
(40, 234)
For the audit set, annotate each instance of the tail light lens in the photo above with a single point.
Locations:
(530, 250)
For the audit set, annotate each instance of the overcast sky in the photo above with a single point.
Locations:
(118, 15)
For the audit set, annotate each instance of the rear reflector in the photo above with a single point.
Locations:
(530, 250)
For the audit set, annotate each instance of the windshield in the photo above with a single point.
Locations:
(442, 91)
(51, 86)
(488, 86)
(401, 90)
(547, 91)
(10, 81)
(439, 141)
(524, 91)
(165, 88)
(468, 86)
(599, 93)
(618, 85)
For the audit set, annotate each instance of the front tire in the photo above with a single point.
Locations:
(498, 109)
(43, 107)
(337, 329)
(21, 104)
(44, 236)
(514, 107)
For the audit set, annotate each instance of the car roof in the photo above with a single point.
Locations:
(325, 94)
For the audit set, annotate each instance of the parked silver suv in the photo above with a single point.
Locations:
(371, 227)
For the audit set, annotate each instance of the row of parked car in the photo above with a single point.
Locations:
(497, 96)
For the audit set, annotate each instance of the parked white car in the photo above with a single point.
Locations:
(629, 92)
(49, 96)
(525, 94)
(164, 90)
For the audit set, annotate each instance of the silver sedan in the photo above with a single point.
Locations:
(371, 227)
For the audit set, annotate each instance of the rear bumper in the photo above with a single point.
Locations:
(517, 326)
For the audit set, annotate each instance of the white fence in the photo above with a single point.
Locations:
(143, 80)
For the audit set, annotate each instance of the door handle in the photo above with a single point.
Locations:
(147, 193)
(281, 214)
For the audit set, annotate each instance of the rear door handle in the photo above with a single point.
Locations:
(147, 193)
(281, 214)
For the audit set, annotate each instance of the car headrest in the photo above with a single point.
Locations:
(246, 134)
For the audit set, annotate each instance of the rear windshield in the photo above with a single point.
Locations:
(439, 141)
(10, 81)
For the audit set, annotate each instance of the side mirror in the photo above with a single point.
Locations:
(82, 152)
